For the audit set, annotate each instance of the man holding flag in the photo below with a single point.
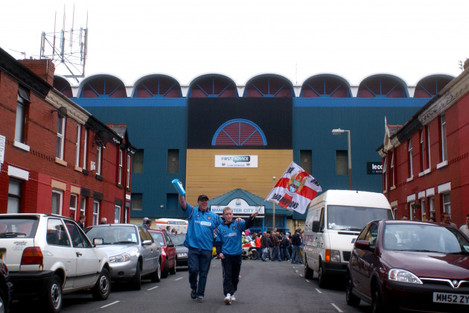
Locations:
(295, 189)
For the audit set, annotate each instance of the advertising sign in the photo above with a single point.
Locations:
(243, 161)
(239, 207)
(374, 168)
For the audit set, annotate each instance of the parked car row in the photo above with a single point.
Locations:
(43, 257)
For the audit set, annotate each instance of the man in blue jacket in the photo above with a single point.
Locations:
(229, 249)
(199, 241)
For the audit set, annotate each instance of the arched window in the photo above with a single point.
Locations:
(102, 87)
(382, 86)
(430, 86)
(325, 86)
(239, 132)
(62, 85)
(215, 86)
(157, 86)
(269, 86)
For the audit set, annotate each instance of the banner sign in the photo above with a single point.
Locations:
(374, 168)
(236, 161)
(239, 207)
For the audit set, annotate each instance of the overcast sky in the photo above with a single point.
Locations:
(243, 38)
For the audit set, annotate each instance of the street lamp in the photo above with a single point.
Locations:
(338, 131)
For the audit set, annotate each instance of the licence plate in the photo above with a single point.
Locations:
(454, 298)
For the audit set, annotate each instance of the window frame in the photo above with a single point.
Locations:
(443, 146)
(96, 209)
(60, 194)
(128, 173)
(120, 167)
(77, 146)
(410, 154)
(17, 197)
(99, 157)
(59, 152)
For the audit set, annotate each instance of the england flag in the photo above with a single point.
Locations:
(295, 189)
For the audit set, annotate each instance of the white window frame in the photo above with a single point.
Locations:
(423, 210)
(422, 150)
(444, 152)
(120, 168)
(99, 156)
(59, 153)
(16, 195)
(385, 172)
(427, 131)
(117, 214)
(60, 194)
(77, 146)
(446, 202)
(127, 178)
(96, 207)
(20, 119)
(73, 205)
(393, 170)
(85, 147)
(411, 166)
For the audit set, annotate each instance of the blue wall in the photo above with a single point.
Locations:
(158, 124)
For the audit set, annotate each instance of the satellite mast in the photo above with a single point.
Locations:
(67, 47)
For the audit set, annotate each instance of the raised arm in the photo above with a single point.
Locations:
(182, 202)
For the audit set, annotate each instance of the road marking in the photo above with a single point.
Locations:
(336, 307)
(178, 278)
(149, 289)
(307, 280)
(301, 275)
(319, 291)
(112, 303)
(296, 271)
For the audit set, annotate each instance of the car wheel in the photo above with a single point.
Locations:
(53, 299)
(102, 288)
(377, 304)
(165, 271)
(254, 254)
(156, 277)
(3, 303)
(351, 299)
(322, 276)
(172, 271)
(309, 273)
(137, 279)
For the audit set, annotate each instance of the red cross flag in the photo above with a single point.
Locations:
(295, 189)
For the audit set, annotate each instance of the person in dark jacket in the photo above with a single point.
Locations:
(229, 250)
(296, 243)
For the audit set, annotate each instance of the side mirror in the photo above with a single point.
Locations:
(362, 244)
(98, 241)
(146, 242)
(316, 225)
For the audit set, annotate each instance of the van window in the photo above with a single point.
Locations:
(353, 218)
(321, 220)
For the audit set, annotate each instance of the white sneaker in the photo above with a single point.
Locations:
(233, 297)
(227, 299)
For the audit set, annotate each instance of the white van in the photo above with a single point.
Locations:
(334, 220)
(174, 223)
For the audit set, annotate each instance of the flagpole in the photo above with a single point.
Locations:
(273, 211)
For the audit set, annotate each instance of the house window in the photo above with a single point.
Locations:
(73, 206)
(59, 152)
(427, 131)
(137, 202)
(409, 150)
(422, 151)
(21, 110)
(341, 162)
(306, 160)
(138, 161)
(127, 176)
(77, 146)
(423, 210)
(385, 172)
(85, 148)
(14, 196)
(117, 214)
(412, 210)
(431, 206)
(83, 206)
(444, 155)
(446, 205)
(57, 197)
(120, 168)
(99, 156)
(393, 170)
(95, 212)
(173, 161)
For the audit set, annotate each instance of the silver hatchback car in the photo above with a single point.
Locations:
(132, 252)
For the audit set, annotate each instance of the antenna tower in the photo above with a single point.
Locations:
(67, 47)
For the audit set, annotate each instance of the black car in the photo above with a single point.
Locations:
(181, 250)
(6, 288)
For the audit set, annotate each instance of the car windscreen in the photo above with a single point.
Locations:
(158, 237)
(11, 227)
(178, 240)
(424, 238)
(341, 217)
(113, 234)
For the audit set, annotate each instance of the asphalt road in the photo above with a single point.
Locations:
(263, 287)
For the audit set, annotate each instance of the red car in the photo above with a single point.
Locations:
(168, 252)
(409, 265)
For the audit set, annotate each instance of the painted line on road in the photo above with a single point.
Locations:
(150, 289)
(319, 291)
(307, 280)
(336, 307)
(301, 275)
(112, 303)
(178, 278)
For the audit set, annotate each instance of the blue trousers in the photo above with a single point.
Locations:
(199, 263)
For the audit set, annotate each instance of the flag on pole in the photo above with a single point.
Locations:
(295, 189)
